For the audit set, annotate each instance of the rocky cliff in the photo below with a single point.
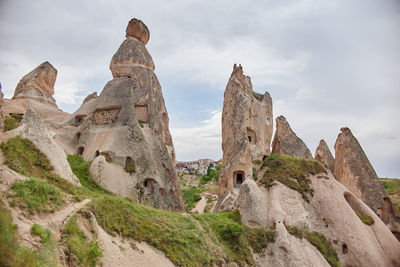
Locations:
(353, 170)
(125, 130)
(324, 155)
(246, 130)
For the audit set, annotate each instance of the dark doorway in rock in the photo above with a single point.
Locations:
(79, 119)
(238, 178)
(97, 153)
(251, 135)
(80, 150)
(77, 137)
(148, 186)
(344, 249)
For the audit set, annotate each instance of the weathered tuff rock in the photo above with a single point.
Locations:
(38, 83)
(246, 130)
(286, 141)
(125, 131)
(353, 170)
(356, 243)
(137, 29)
(324, 155)
(34, 128)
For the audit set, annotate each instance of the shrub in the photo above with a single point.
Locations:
(365, 219)
(44, 234)
(319, 242)
(87, 252)
(191, 196)
(212, 175)
(10, 123)
(292, 172)
(36, 195)
(130, 167)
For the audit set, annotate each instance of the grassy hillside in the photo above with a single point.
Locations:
(392, 187)
(187, 240)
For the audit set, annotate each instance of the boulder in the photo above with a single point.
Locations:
(353, 170)
(39, 81)
(286, 141)
(137, 29)
(324, 155)
(33, 128)
(246, 130)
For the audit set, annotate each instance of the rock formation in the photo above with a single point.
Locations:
(324, 155)
(336, 217)
(353, 170)
(286, 141)
(246, 130)
(38, 83)
(125, 130)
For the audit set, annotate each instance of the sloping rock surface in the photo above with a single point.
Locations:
(324, 155)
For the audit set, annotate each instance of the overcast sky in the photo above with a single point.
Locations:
(326, 64)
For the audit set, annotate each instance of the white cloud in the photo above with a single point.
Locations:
(203, 141)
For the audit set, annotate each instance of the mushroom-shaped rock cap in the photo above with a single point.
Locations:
(137, 29)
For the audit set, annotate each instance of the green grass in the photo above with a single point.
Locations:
(237, 239)
(319, 242)
(13, 255)
(80, 168)
(130, 167)
(365, 219)
(257, 96)
(191, 196)
(86, 252)
(392, 187)
(212, 175)
(292, 172)
(43, 233)
(36, 196)
(10, 123)
(171, 232)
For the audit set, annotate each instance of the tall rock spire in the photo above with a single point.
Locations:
(125, 129)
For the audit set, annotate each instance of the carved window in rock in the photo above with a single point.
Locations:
(238, 178)
(142, 113)
(97, 154)
(79, 119)
(80, 150)
(130, 166)
(251, 135)
(108, 115)
(148, 186)
(77, 137)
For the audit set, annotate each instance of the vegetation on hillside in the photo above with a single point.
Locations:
(392, 187)
(13, 255)
(212, 175)
(87, 252)
(36, 196)
(292, 172)
(191, 196)
(199, 240)
(318, 241)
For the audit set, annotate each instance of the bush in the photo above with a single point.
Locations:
(292, 172)
(36, 195)
(10, 123)
(44, 234)
(319, 242)
(365, 219)
(87, 252)
(130, 167)
(191, 196)
(212, 175)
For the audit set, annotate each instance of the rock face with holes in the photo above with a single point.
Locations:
(125, 129)
(353, 170)
(333, 211)
(286, 141)
(246, 131)
(324, 155)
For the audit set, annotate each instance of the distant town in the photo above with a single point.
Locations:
(196, 167)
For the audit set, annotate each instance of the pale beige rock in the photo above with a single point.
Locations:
(286, 141)
(33, 128)
(38, 82)
(324, 155)
(353, 170)
(128, 124)
(331, 212)
(137, 29)
(246, 130)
